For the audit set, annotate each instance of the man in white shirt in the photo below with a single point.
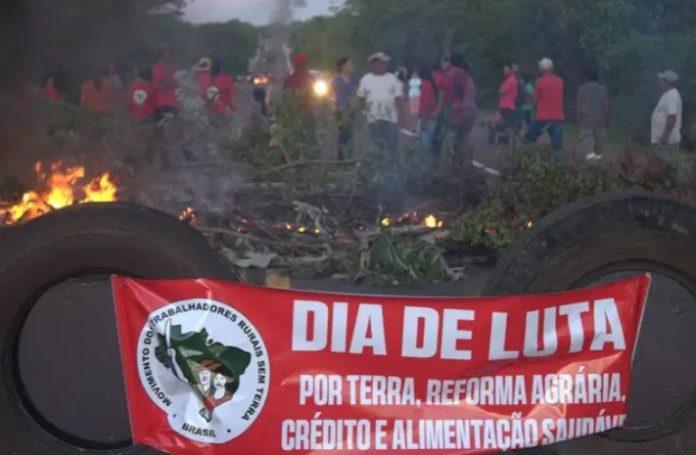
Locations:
(383, 95)
(666, 121)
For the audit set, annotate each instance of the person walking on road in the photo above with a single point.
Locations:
(345, 85)
(592, 114)
(382, 93)
(507, 121)
(453, 84)
(427, 106)
(666, 122)
(548, 99)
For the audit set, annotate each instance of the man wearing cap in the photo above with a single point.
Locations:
(383, 93)
(666, 121)
(548, 97)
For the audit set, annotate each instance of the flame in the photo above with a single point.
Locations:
(386, 222)
(188, 215)
(62, 184)
(530, 224)
(432, 222)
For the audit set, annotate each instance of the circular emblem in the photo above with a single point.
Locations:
(205, 365)
(212, 93)
(139, 97)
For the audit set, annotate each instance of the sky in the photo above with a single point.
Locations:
(254, 11)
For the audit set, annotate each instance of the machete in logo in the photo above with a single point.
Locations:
(205, 365)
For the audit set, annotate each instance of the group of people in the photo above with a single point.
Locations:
(540, 107)
(444, 98)
(152, 93)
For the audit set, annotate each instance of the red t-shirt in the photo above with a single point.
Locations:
(165, 84)
(549, 98)
(452, 83)
(224, 92)
(428, 101)
(509, 90)
(140, 99)
(205, 81)
(299, 80)
(51, 93)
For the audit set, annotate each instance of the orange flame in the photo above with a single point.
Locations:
(61, 185)
(432, 222)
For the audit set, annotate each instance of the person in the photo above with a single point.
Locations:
(166, 101)
(140, 97)
(427, 106)
(548, 99)
(203, 77)
(48, 88)
(592, 113)
(299, 80)
(414, 92)
(452, 87)
(95, 93)
(527, 85)
(223, 91)
(382, 93)
(666, 121)
(345, 84)
(507, 120)
(470, 107)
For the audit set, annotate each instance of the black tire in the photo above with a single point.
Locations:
(580, 242)
(92, 238)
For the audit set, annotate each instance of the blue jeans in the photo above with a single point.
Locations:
(555, 130)
(427, 133)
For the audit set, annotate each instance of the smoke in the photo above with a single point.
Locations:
(282, 12)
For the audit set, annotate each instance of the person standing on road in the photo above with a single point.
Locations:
(95, 94)
(666, 123)
(507, 107)
(452, 115)
(427, 106)
(593, 113)
(140, 97)
(382, 93)
(300, 78)
(345, 85)
(222, 92)
(548, 98)
(165, 85)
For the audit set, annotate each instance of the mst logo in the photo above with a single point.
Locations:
(205, 365)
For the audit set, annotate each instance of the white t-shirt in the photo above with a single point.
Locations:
(670, 104)
(380, 93)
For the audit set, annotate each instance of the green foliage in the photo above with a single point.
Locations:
(390, 260)
(533, 186)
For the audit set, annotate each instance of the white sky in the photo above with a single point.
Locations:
(254, 11)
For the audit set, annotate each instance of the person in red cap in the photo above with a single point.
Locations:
(300, 78)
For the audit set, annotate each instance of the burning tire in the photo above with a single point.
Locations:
(100, 238)
(608, 237)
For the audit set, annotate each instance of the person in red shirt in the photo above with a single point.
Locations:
(548, 98)
(300, 78)
(506, 124)
(452, 113)
(96, 93)
(427, 106)
(49, 89)
(140, 97)
(165, 85)
(223, 91)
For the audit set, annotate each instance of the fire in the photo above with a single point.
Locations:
(386, 222)
(188, 215)
(432, 222)
(62, 189)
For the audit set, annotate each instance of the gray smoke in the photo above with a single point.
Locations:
(282, 12)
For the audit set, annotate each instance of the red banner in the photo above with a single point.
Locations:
(213, 367)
